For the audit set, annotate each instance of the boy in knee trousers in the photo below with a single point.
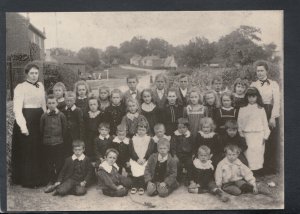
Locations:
(161, 171)
(76, 172)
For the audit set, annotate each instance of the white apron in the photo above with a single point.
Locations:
(256, 149)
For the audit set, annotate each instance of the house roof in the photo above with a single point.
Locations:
(136, 57)
(68, 59)
(37, 31)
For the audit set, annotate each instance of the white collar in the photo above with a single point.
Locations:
(183, 90)
(56, 111)
(156, 139)
(60, 99)
(81, 157)
(187, 134)
(81, 98)
(136, 91)
(72, 108)
(199, 165)
(107, 167)
(148, 107)
(239, 96)
(117, 140)
(162, 159)
(94, 114)
(132, 116)
(209, 135)
(227, 109)
(102, 138)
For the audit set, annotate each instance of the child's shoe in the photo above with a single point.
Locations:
(221, 195)
(141, 191)
(49, 188)
(263, 189)
(193, 190)
(133, 191)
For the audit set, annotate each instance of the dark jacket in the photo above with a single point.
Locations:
(68, 170)
(170, 116)
(113, 115)
(135, 157)
(100, 146)
(171, 174)
(181, 146)
(108, 180)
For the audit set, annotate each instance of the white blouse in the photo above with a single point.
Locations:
(253, 119)
(27, 95)
(140, 145)
(270, 95)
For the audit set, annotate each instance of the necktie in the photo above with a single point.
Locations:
(133, 92)
(52, 113)
(264, 81)
(36, 84)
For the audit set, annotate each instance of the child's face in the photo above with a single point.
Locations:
(78, 151)
(116, 98)
(103, 131)
(81, 90)
(147, 97)
(231, 132)
(240, 89)
(217, 85)
(182, 129)
(70, 101)
(159, 132)
(93, 105)
(132, 83)
(103, 94)
(210, 99)
(51, 104)
(203, 156)
(206, 128)
(160, 83)
(261, 72)
(226, 101)
(232, 155)
(58, 92)
(132, 107)
(111, 158)
(163, 149)
(183, 83)
(194, 97)
(252, 99)
(141, 131)
(172, 97)
(121, 134)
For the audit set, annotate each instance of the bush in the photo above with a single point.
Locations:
(10, 117)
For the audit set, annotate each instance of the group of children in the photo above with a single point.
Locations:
(155, 139)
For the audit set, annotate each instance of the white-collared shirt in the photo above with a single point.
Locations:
(72, 108)
(56, 111)
(186, 134)
(117, 140)
(160, 93)
(133, 93)
(107, 167)
(80, 158)
(102, 138)
(183, 91)
(162, 159)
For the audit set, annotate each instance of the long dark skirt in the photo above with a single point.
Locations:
(26, 150)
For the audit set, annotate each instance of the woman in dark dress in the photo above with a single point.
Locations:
(28, 105)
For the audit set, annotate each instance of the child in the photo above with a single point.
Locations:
(159, 130)
(59, 90)
(226, 112)
(140, 150)
(112, 183)
(233, 137)
(216, 86)
(104, 98)
(121, 144)
(239, 89)
(203, 175)
(75, 174)
(182, 92)
(181, 149)
(92, 119)
(206, 136)
(149, 109)
(103, 142)
(53, 129)
(161, 171)
(212, 103)
(194, 112)
(133, 117)
(160, 91)
(82, 90)
(132, 92)
(75, 127)
(172, 112)
(232, 175)
(115, 112)
(253, 125)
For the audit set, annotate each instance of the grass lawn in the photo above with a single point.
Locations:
(121, 73)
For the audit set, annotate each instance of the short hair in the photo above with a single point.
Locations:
(81, 82)
(60, 85)
(207, 120)
(181, 76)
(183, 121)
(216, 78)
(204, 148)
(70, 94)
(78, 143)
(196, 90)
(228, 94)
(132, 76)
(116, 91)
(163, 76)
(231, 124)
(233, 148)
(172, 90)
(262, 63)
(159, 126)
(163, 141)
(104, 125)
(50, 96)
(29, 66)
(93, 97)
(149, 91)
(121, 127)
(135, 101)
(143, 124)
(111, 150)
(217, 100)
(240, 81)
(104, 88)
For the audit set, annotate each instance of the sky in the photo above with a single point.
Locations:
(74, 30)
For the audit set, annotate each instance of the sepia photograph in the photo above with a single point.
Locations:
(144, 110)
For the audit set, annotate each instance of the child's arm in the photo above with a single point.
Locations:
(218, 175)
(276, 101)
(248, 175)
(173, 173)
(147, 174)
(240, 122)
(132, 153)
(150, 149)
(89, 171)
(243, 144)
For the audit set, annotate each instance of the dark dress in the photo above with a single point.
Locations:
(239, 102)
(124, 153)
(61, 105)
(83, 104)
(152, 118)
(222, 116)
(170, 116)
(114, 115)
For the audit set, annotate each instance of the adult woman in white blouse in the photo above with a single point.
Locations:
(270, 93)
(28, 105)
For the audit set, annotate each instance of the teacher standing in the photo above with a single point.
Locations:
(270, 93)
(28, 106)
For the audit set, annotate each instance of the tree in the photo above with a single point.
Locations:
(111, 54)
(89, 55)
(62, 51)
(159, 47)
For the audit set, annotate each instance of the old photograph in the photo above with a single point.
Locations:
(169, 110)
